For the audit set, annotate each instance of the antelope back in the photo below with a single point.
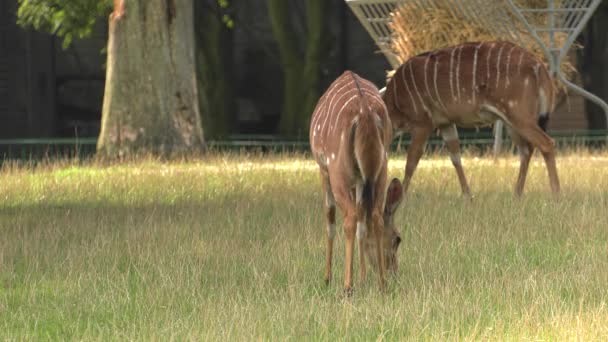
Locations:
(346, 98)
(460, 79)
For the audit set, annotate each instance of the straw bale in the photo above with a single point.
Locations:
(423, 25)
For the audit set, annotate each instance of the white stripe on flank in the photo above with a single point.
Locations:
(474, 86)
(537, 72)
(498, 65)
(488, 61)
(332, 122)
(458, 72)
(416, 88)
(508, 66)
(436, 88)
(521, 57)
(452, 73)
(330, 92)
(321, 112)
(363, 91)
(332, 105)
(342, 109)
(395, 100)
(408, 88)
(426, 78)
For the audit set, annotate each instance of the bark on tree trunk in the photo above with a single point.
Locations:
(151, 99)
(595, 69)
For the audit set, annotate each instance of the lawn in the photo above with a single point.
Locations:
(232, 248)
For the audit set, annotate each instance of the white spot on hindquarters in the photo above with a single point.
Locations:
(333, 156)
(361, 230)
(331, 230)
(512, 103)
(327, 161)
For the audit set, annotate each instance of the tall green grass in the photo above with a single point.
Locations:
(232, 248)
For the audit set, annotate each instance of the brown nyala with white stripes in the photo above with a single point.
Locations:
(350, 133)
(473, 85)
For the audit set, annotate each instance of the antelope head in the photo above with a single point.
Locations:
(392, 237)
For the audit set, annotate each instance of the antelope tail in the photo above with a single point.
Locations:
(369, 154)
(546, 96)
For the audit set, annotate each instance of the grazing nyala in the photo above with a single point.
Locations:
(350, 133)
(472, 85)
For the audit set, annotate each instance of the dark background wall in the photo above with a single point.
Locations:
(46, 91)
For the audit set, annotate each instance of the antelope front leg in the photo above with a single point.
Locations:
(419, 135)
(450, 136)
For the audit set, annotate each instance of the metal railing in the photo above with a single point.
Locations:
(567, 16)
(35, 149)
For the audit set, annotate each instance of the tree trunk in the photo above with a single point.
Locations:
(301, 74)
(595, 69)
(151, 100)
(214, 67)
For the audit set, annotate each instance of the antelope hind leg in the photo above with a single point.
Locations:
(450, 136)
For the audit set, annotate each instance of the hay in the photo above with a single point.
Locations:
(441, 23)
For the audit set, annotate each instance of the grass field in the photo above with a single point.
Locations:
(232, 248)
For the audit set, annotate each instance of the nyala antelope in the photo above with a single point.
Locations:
(350, 133)
(472, 85)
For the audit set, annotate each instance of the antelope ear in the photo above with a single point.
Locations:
(394, 195)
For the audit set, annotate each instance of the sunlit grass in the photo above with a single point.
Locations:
(231, 247)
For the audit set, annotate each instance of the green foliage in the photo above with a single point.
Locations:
(67, 19)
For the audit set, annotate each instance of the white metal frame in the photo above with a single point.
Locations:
(570, 18)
